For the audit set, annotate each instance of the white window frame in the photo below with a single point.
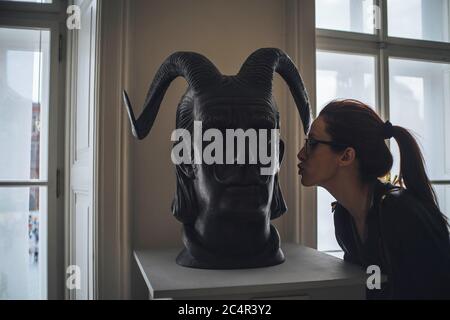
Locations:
(31, 8)
(383, 47)
(50, 17)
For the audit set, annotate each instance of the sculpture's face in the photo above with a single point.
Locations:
(234, 191)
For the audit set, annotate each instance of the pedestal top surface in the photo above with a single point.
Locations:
(304, 268)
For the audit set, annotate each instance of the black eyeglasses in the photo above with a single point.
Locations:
(311, 143)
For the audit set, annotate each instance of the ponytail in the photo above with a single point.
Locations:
(412, 169)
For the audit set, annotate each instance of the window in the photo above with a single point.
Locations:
(395, 56)
(24, 64)
(29, 72)
(32, 1)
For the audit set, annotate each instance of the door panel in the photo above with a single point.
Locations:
(82, 211)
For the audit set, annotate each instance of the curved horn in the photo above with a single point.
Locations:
(198, 71)
(259, 69)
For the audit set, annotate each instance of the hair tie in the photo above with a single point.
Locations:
(388, 130)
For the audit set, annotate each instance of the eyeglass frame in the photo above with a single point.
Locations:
(308, 150)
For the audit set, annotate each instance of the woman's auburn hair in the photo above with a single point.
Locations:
(355, 124)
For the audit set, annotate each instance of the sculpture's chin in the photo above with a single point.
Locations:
(243, 213)
(195, 255)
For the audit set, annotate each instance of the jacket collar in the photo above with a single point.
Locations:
(380, 189)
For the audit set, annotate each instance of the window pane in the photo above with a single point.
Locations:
(326, 239)
(24, 98)
(341, 76)
(23, 213)
(419, 19)
(420, 101)
(443, 194)
(346, 15)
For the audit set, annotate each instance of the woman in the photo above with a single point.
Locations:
(399, 229)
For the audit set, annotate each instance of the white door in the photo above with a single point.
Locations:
(82, 105)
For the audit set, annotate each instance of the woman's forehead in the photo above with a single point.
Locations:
(318, 129)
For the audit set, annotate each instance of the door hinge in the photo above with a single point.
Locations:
(60, 48)
(58, 183)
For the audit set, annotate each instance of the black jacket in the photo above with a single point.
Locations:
(409, 243)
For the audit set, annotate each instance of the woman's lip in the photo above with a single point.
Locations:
(301, 168)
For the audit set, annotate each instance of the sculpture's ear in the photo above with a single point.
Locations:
(278, 205)
(184, 205)
(281, 148)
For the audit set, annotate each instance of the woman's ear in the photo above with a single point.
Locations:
(347, 157)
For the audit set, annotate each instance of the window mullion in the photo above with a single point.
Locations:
(383, 32)
(381, 70)
(440, 182)
(383, 81)
(347, 45)
(383, 67)
(446, 17)
(27, 183)
(418, 53)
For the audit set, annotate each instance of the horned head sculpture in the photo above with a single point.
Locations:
(226, 208)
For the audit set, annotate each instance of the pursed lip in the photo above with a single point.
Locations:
(301, 167)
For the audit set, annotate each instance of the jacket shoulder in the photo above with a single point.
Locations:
(400, 200)
(402, 214)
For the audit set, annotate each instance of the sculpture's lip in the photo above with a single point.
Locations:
(238, 185)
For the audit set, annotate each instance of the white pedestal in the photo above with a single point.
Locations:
(306, 274)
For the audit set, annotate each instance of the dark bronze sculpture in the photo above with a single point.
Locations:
(226, 208)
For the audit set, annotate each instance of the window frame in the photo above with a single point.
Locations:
(383, 47)
(50, 17)
(56, 6)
